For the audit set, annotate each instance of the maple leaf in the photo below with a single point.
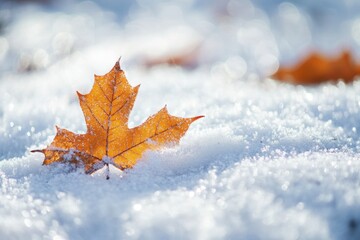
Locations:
(317, 68)
(108, 139)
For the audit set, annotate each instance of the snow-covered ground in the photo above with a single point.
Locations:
(268, 161)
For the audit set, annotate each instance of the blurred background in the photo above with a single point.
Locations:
(235, 37)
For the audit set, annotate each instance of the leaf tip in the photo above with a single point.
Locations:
(37, 150)
(136, 88)
(196, 118)
(165, 109)
(80, 96)
(117, 66)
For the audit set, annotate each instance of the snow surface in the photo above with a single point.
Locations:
(268, 161)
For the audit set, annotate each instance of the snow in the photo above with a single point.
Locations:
(268, 161)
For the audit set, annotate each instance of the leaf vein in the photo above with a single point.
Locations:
(102, 90)
(92, 114)
(143, 141)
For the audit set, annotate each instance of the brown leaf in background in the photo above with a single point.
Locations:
(317, 68)
(108, 139)
(187, 58)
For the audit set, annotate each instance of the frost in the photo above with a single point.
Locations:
(107, 160)
(68, 156)
(150, 141)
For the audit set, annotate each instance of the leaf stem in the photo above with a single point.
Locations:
(107, 171)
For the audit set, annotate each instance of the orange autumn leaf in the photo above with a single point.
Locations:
(317, 68)
(108, 139)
